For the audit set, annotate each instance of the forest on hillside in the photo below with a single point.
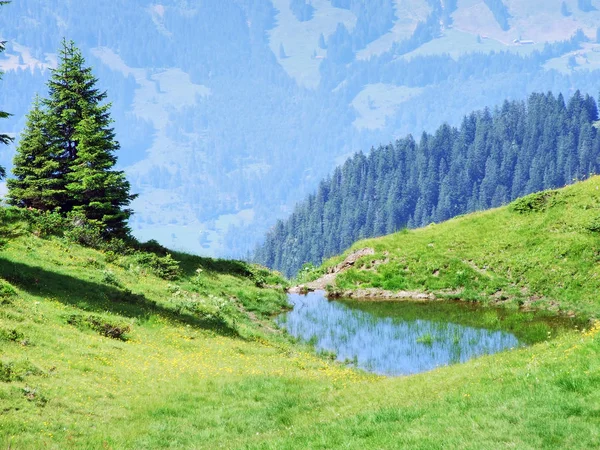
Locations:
(258, 140)
(492, 158)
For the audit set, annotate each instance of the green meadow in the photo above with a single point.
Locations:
(103, 349)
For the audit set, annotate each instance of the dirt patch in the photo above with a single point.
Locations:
(350, 260)
(328, 280)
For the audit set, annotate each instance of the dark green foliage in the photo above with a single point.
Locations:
(99, 325)
(594, 225)
(11, 335)
(67, 154)
(163, 267)
(152, 246)
(491, 159)
(6, 292)
(38, 182)
(96, 190)
(46, 223)
(537, 202)
(11, 371)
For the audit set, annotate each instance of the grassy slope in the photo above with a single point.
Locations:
(181, 382)
(543, 250)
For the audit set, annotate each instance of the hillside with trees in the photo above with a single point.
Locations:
(492, 158)
(223, 138)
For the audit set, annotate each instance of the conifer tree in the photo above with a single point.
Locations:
(4, 138)
(95, 189)
(37, 183)
(72, 129)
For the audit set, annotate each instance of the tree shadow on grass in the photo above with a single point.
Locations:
(91, 296)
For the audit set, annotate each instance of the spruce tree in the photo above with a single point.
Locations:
(72, 129)
(37, 183)
(96, 190)
(4, 138)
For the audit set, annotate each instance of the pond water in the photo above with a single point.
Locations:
(402, 338)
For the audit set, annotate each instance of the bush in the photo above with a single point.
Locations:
(538, 202)
(211, 308)
(11, 335)
(83, 231)
(117, 246)
(45, 223)
(100, 325)
(6, 292)
(163, 267)
(110, 278)
(594, 225)
(17, 371)
(152, 246)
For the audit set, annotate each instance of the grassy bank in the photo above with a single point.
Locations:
(541, 251)
(98, 351)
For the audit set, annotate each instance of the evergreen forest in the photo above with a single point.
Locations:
(221, 136)
(493, 157)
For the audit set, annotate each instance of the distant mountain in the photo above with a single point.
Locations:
(489, 160)
(230, 112)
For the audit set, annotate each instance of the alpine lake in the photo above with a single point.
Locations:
(396, 338)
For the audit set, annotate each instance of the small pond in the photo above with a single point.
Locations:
(402, 338)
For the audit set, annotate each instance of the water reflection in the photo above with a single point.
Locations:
(387, 345)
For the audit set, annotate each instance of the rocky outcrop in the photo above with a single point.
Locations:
(329, 278)
(327, 282)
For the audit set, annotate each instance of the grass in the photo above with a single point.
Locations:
(540, 251)
(201, 367)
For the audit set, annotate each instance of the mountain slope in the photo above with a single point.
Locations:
(540, 251)
(492, 158)
(222, 132)
(176, 381)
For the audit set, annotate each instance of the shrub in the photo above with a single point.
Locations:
(11, 371)
(45, 223)
(538, 202)
(117, 246)
(34, 395)
(110, 278)
(152, 246)
(100, 325)
(594, 225)
(83, 231)
(11, 335)
(6, 292)
(164, 267)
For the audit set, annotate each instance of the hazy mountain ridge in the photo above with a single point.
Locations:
(491, 159)
(219, 129)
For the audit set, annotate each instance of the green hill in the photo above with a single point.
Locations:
(221, 140)
(99, 350)
(541, 250)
